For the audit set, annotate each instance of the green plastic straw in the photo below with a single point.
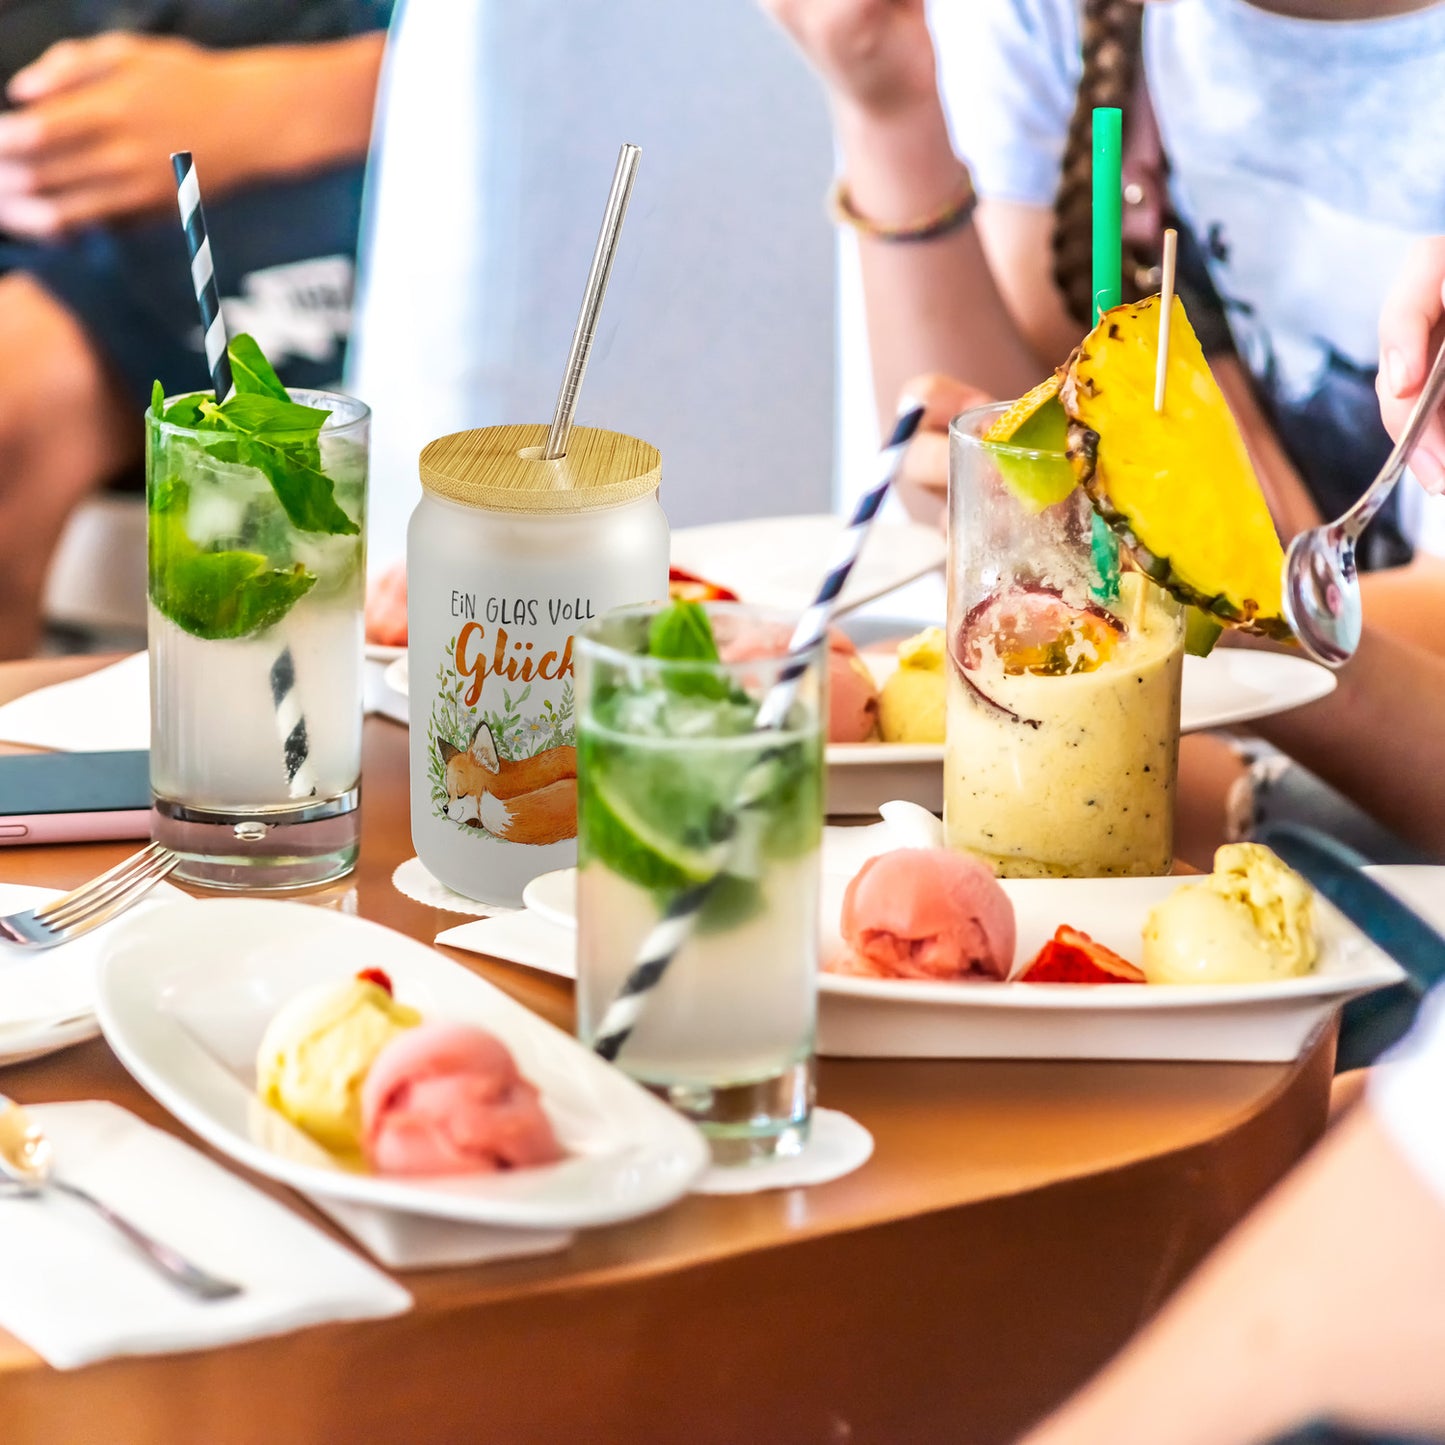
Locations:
(1108, 207)
(1108, 288)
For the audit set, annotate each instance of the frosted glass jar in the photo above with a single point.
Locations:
(507, 557)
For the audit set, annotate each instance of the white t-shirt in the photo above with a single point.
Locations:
(501, 122)
(1407, 1087)
(1305, 156)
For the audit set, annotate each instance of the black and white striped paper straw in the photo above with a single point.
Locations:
(290, 724)
(203, 272)
(668, 935)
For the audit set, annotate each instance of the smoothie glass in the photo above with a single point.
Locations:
(255, 633)
(663, 751)
(1063, 680)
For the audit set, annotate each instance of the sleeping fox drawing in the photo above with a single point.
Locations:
(530, 800)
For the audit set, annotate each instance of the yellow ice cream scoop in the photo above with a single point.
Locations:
(910, 705)
(315, 1053)
(1249, 921)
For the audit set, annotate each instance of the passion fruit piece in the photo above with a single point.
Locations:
(1035, 630)
(1037, 423)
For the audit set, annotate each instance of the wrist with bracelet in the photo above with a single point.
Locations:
(952, 217)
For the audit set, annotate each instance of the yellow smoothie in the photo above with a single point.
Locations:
(1069, 774)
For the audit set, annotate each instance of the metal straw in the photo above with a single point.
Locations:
(668, 935)
(290, 723)
(612, 218)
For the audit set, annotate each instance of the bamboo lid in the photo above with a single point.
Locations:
(501, 468)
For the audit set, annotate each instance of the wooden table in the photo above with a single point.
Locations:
(1016, 1223)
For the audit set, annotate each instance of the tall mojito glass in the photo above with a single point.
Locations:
(1064, 675)
(256, 581)
(666, 747)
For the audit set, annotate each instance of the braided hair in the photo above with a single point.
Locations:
(1112, 42)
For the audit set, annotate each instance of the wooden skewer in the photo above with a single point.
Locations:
(1166, 310)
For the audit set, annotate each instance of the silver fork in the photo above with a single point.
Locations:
(92, 904)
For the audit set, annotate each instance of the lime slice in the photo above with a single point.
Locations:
(618, 838)
(1035, 422)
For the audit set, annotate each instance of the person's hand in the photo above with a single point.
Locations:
(386, 608)
(877, 54)
(95, 121)
(1412, 328)
(922, 483)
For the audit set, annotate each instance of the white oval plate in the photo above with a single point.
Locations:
(980, 1018)
(384, 652)
(186, 991)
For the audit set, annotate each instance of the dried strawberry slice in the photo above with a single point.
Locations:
(685, 586)
(1071, 956)
(379, 977)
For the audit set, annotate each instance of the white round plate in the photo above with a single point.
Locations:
(779, 561)
(47, 996)
(553, 897)
(397, 676)
(186, 991)
(1232, 685)
(21, 1043)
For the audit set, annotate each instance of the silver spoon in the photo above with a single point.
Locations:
(1321, 588)
(27, 1162)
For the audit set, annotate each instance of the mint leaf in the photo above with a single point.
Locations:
(681, 632)
(158, 399)
(264, 416)
(279, 439)
(185, 411)
(251, 371)
(216, 594)
(304, 490)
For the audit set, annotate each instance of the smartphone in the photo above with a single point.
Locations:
(74, 797)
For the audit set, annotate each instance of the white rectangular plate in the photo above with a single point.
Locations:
(1260, 1022)
(186, 990)
(984, 1019)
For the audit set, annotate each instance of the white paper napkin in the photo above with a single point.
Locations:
(41, 986)
(414, 1241)
(837, 1145)
(519, 938)
(104, 711)
(76, 1292)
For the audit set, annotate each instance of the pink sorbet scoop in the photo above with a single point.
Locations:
(451, 1102)
(927, 913)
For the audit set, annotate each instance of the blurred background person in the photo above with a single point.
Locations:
(1292, 142)
(274, 98)
(498, 131)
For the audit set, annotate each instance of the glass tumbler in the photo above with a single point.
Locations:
(1063, 679)
(665, 751)
(255, 633)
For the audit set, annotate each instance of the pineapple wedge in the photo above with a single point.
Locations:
(1176, 487)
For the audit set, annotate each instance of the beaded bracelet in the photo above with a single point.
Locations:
(955, 215)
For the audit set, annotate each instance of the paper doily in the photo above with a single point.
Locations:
(414, 880)
(837, 1145)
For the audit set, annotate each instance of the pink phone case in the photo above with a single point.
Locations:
(76, 827)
